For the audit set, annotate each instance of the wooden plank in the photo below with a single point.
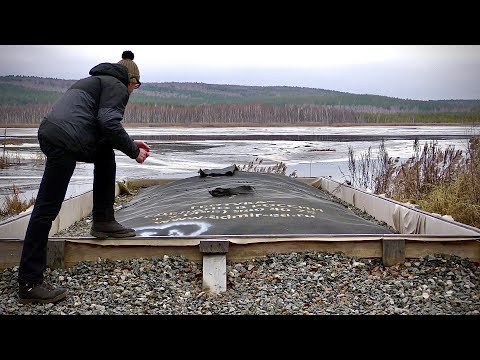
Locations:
(56, 253)
(464, 249)
(10, 253)
(214, 273)
(77, 252)
(361, 249)
(214, 246)
(11, 249)
(393, 252)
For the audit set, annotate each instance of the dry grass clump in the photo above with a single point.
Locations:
(374, 174)
(8, 160)
(256, 166)
(5, 159)
(14, 204)
(428, 168)
(40, 159)
(453, 200)
(11, 141)
(444, 181)
(461, 196)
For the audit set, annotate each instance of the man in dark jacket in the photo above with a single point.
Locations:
(84, 125)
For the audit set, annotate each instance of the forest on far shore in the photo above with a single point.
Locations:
(25, 100)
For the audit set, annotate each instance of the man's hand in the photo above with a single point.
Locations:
(142, 145)
(144, 151)
(142, 156)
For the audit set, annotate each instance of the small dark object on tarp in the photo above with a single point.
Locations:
(239, 190)
(228, 171)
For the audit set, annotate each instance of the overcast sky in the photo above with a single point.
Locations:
(423, 72)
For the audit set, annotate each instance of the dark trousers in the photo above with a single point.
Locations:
(51, 193)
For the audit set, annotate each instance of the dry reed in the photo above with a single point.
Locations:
(443, 181)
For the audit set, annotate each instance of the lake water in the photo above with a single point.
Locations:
(180, 159)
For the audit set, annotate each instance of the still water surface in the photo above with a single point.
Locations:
(180, 159)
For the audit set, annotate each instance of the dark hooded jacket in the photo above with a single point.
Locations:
(89, 114)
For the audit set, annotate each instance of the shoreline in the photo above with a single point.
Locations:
(228, 125)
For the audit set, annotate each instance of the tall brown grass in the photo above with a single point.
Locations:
(461, 196)
(444, 181)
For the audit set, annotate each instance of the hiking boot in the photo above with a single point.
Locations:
(42, 293)
(106, 229)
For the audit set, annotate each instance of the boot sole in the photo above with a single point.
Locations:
(57, 298)
(105, 235)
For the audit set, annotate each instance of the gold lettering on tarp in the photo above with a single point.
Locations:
(238, 210)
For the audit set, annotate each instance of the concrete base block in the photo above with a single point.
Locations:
(214, 273)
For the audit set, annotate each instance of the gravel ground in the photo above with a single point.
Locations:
(290, 284)
(308, 283)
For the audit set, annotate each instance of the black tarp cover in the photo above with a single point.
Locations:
(242, 203)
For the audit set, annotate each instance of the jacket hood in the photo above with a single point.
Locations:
(116, 70)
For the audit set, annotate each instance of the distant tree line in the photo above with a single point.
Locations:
(22, 90)
(256, 114)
